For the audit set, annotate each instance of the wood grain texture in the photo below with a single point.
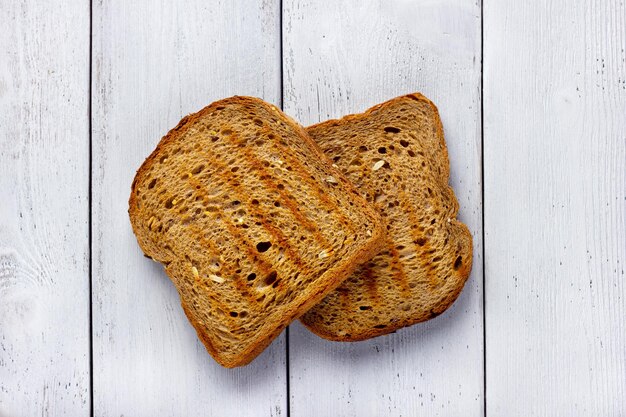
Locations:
(555, 207)
(343, 57)
(153, 63)
(44, 208)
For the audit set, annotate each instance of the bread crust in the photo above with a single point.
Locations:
(459, 231)
(326, 282)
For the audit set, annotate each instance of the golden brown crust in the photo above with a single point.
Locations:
(327, 281)
(459, 231)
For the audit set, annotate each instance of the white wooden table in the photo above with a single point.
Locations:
(533, 100)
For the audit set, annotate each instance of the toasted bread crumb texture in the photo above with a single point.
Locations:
(396, 156)
(252, 222)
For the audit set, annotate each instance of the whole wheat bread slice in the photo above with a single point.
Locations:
(252, 223)
(396, 155)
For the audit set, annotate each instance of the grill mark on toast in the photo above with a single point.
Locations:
(313, 185)
(424, 249)
(265, 266)
(399, 273)
(344, 297)
(257, 164)
(281, 238)
(370, 283)
(276, 234)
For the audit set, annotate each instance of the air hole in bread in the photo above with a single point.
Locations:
(421, 241)
(258, 122)
(227, 132)
(198, 169)
(170, 202)
(391, 129)
(234, 314)
(281, 186)
(404, 143)
(254, 202)
(336, 158)
(365, 308)
(243, 314)
(163, 159)
(251, 277)
(362, 148)
(152, 184)
(271, 278)
(276, 204)
(382, 149)
(380, 326)
(411, 153)
(263, 246)
(458, 262)
(234, 169)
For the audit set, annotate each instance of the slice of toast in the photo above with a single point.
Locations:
(396, 156)
(251, 221)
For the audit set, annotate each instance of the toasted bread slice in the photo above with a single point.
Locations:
(252, 222)
(396, 155)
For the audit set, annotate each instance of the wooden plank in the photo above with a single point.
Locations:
(555, 213)
(342, 57)
(154, 63)
(44, 208)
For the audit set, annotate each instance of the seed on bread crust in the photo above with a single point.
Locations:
(378, 165)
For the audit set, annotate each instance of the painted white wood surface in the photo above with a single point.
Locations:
(555, 207)
(153, 63)
(44, 208)
(343, 57)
